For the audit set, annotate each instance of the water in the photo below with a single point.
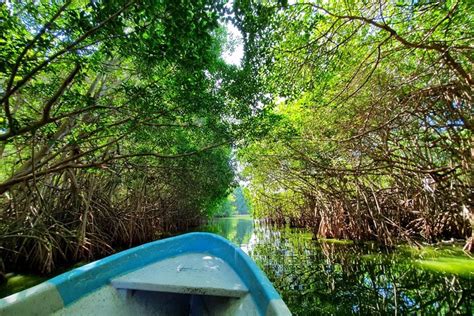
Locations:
(340, 278)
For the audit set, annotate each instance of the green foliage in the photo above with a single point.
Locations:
(374, 108)
(116, 125)
(234, 204)
(240, 202)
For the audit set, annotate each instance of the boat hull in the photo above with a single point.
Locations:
(99, 287)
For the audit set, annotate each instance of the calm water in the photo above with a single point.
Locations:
(340, 278)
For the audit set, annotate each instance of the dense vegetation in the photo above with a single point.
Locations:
(372, 104)
(117, 123)
(120, 118)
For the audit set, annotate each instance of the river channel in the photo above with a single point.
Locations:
(339, 277)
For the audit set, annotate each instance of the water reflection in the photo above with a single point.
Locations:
(321, 277)
(238, 229)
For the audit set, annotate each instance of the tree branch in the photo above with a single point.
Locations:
(20, 58)
(66, 49)
(47, 107)
(65, 164)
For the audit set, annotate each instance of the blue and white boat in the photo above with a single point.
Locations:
(192, 274)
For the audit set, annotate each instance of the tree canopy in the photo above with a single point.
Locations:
(374, 104)
(117, 124)
(119, 120)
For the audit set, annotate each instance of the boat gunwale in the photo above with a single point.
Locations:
(81, 281)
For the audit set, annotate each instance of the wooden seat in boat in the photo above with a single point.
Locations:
(195, 273)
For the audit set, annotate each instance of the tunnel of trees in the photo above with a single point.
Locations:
(120, 121)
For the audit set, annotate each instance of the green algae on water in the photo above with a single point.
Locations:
(336, 241)
(432, 251)
(19, 282)
(461, 266)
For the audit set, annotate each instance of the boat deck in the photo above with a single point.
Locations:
(192, 273)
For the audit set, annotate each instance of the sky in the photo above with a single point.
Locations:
(234, 57)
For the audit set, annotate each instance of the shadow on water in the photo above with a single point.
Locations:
(339, 277)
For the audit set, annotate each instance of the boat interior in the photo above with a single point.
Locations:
(189, 284)
(191, 274)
